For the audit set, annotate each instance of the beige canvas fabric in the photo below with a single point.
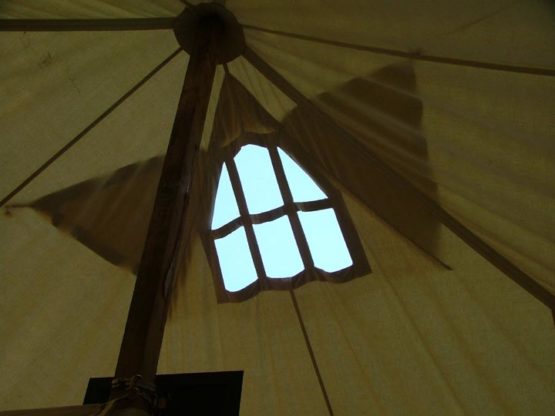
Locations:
(483, 113)
(390, 331)
(413, 336)
(499, 31)
(83, 9)
(55, 90)
(392, 342)
(63, 314)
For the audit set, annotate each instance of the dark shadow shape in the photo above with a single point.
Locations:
(380, 114)
(110, 214)
(199, 394)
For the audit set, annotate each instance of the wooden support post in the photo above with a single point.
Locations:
(211, 35)
(144, 330)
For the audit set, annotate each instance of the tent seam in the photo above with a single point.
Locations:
(86, 130)
(311, 352)
(415, 55)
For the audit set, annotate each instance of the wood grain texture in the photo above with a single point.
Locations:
(147, 314)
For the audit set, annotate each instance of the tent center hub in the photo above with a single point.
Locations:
(230, 39)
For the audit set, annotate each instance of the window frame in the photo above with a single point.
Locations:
(334, 200)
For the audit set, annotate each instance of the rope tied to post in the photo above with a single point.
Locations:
(132, 390)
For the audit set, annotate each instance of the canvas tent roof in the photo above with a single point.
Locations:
(456, 98)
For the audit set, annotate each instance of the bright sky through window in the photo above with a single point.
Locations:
(280, 254)
(225, 208)
(278, 248)
(325, 240)
(258, 179)
(235, 260)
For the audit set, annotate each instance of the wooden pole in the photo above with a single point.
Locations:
(144, 330)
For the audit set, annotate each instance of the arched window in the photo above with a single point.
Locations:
(274, 227)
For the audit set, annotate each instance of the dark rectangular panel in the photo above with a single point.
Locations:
(196, 394)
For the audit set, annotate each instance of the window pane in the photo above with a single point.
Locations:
(225, 208)
(303, 188)
(325, 240)
(258, 179)
(278, 248)
(235, 260)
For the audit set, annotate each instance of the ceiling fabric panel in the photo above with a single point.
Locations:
(108, 214)
(260, 337)
(267, 94)
(468, 116)
(468, 29)
(63, 313)
(137, 130)
(314, 67)
(491, 146)
(408, 331)
(423, 332)
(511, 32)
(88, 9)
(56, 84)
(434, 329)
(106, 201)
